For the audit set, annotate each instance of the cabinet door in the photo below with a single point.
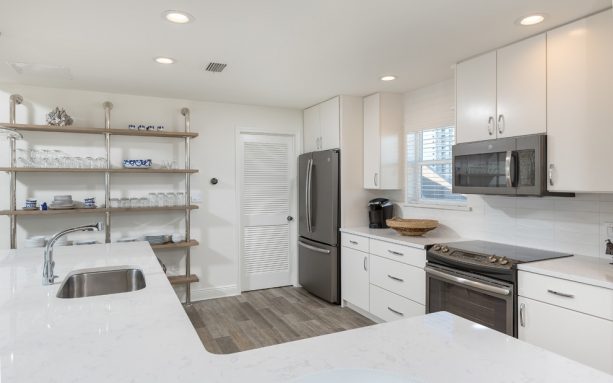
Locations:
(577, 336)
(522, 88)
(372, 142)
(330, 124)
(579, 105)
(476, 99)
(311, 129)
(354, 277)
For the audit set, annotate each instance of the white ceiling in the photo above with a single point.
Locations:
(279, 52)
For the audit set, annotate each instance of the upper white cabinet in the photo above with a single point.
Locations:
(322, 126)
(503, 93)
(383, 123)
(580, 105)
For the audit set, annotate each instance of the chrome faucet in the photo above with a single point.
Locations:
(49, 265)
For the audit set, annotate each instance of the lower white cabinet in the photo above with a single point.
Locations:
(584, 338)
(354, 277)
(373, 280)
(389, 306)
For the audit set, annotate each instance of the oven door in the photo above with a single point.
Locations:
(483, 300)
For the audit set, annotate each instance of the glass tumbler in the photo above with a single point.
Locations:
(171, 199)
(180, 199)
(124, 202)
(134, 202)
(115, 202)
(143, 202)
(162, 200)
(153, 200)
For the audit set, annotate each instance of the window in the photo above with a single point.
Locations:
(429, 167)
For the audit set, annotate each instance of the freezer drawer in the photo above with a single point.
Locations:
(319, 269)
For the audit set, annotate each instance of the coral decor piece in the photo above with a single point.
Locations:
(59, 117)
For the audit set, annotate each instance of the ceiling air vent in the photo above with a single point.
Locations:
(215, 67)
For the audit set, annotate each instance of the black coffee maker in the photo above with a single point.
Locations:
(379, 210)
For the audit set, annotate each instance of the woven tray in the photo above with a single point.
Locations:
(412, 227)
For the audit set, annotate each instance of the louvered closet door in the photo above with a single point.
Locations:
(266, 174)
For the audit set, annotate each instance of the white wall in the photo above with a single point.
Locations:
(215, 261)
(576, 225)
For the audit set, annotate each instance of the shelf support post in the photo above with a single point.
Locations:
(14, 100)
(107, 175)
(188, 288)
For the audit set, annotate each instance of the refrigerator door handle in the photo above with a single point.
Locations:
(308, 196)
(317, 249)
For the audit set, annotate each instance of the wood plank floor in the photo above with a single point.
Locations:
(267, 317)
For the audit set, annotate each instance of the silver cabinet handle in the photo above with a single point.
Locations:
(551, 174)
(522, 315)
(467, 282)
(365, 261)
(376, 179)
(507, 168)
(395, 311)
(395, 278)
(490, 125)
(353, 242)
(317, 249)
(565, 295)
(395, 252)
(501, 124)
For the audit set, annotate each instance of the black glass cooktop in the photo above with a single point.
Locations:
(515, 253)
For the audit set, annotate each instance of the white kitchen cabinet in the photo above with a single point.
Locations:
(383, 132)
(503, 93)
(389, 306)
(476, 99)
(322, 126)
(355, 278)
(580, 105)
(584, 338)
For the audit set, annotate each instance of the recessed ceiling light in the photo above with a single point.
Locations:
(532, 20)
(164, 60)
(388, 78)
(178, 17)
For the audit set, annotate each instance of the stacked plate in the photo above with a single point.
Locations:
(157, 239)
(38, 241)
(62, 202)
(85, 242)
(127, 239)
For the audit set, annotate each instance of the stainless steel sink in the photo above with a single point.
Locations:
(101, 281)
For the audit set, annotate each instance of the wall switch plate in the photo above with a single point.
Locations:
(196, 196)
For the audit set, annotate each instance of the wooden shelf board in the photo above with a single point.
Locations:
(84, 130)
(180, 245)
(96, 170)
(183, 279)
(94, 211)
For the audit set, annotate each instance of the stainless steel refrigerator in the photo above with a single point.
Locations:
(319, 268)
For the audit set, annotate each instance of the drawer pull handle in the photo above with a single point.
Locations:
(395, 278)
(395, 252)
(522, 315)
(395, 312)
(353, 242)
(365, 261)
(560, 294)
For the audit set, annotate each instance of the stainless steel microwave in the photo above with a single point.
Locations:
(504, 166)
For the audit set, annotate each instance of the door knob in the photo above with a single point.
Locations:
(290, 218)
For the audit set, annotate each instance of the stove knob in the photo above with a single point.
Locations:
(503, 260)
(436, 247)
(445, 249)
(493, 259)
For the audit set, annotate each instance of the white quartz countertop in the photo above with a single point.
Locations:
(390, 235)
(589, 270)
(145, 336)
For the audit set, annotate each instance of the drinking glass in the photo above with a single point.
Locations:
(180, 199)
(124, 202)
(134, 202)
(144, 202)
(115, 202)
(171, 199)
(162, 200)
(100, 162)
(153, 200)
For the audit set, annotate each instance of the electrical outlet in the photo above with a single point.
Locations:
(197, 197)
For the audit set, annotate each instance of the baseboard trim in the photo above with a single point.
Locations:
(203, 294)
(362, 312)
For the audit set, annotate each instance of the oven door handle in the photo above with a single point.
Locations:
(468, 282)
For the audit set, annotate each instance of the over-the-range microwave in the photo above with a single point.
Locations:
(504, 166)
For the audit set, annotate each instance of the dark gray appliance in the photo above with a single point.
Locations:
(477, 280)
(379, 211)
(515, 166)
(318, 224)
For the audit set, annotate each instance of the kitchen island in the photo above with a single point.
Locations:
(145, 336)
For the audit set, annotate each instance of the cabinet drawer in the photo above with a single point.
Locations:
(355, 242)
(588, 299)
(399, 278)
(404, 254)
(389, 306)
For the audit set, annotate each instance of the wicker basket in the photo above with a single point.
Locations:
(412, 227)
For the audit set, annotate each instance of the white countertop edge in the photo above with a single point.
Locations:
(389, 235)
(588, 270)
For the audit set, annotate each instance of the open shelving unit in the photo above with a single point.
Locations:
(13, 213)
